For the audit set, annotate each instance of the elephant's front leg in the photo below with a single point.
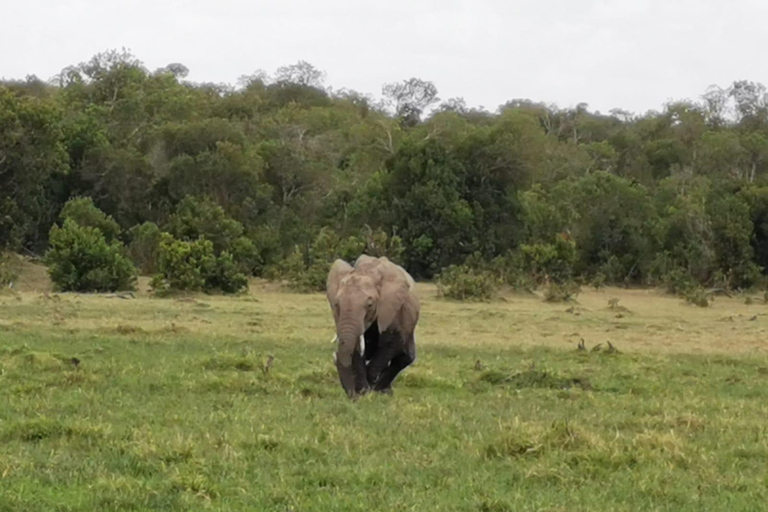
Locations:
(346, 376)
(353, 376)
(361, 378)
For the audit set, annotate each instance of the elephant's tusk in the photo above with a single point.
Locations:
(335, 339)
(362, 344)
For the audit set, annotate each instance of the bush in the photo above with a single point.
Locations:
(698, 296)
(8, 271)
(557, 292)
(509, 269)
(247, 256)
(268, 244)
(193, 266)
(463, 282)
(227, 276)
(612, 269)
(309, 273)
(378, 244)
(80, 259)
(553, 261)
(144, 246)
(183, 265)
(678, 281)
(196, 217)
(597, 281)
(83, 212)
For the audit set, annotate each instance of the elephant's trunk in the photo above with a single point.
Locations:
(349, 333)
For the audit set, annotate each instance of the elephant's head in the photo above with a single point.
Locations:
(372, 291)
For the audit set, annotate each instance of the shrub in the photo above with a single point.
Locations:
(463, 282)
(83, 212)
(300, 276)
(144, 246)
(8, 271)
(678, 281)
(196, 217)
(378, 244)
(227, 276)
(597, 281)
(553, 261)
(268, 245)
(307, 270)
(557, 292)
(328, 246)
(509, 269)
(183, 265)
(193, 266)
(247, 256)
(80, 259)
(612, 269)
(698, 296)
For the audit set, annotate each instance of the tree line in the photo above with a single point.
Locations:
(279, 175)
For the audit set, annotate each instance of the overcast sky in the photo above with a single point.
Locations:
(630, 54)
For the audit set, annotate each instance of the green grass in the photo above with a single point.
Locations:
(169, 409)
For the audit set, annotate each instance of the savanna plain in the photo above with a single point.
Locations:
(143, 403)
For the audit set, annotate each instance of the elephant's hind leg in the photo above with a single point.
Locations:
(398, 364)
(388, 347)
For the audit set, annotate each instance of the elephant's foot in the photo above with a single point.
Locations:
(385, 391)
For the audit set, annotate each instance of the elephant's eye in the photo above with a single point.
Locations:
(369, 303)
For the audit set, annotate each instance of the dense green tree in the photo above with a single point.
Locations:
(32, 156)
(282, 172)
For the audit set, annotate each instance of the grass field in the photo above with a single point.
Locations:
(169, 409)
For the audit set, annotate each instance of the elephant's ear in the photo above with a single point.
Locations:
(339, 269)
(398, 306)
(409, 313)
(411, 282)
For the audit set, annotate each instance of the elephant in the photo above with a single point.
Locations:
(375, 310)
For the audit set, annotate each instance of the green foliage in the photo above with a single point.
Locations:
(8, 270)
(555, 261)
(80, 259)
(597, 281)
(436, 222)
(732, 233)
(677, 281)
(227, 276)
(193, 266)
(697, 296)
(262, 169)
(184, 265)
(379, 244)
(144, 246)
(246, 254)
(463, 282)
(196, 217)
(307, 269)
(32, 159)
(561, 292)
(83, 212)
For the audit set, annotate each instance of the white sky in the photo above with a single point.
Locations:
(630, 54)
